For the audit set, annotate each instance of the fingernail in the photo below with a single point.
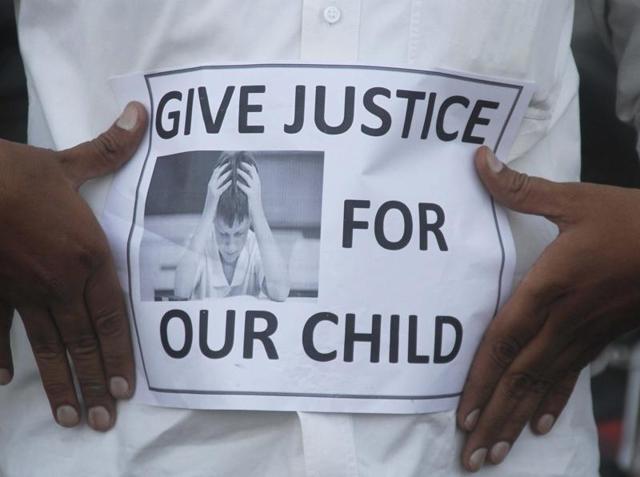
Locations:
(119, 387)
(99, 418)
(492, 161)
(499, 452)
(129, 117)
(67, 416)
(476, 461)
(5, 377)
(471, 420)
(545, 423)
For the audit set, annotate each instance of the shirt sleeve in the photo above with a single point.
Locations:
(619, 24)
(197, 291)
(256, 271)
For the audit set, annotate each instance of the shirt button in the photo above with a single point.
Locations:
(332, 14)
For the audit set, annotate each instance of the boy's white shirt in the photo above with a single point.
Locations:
(72, 48)
(247, 278)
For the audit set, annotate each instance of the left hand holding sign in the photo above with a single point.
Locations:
(56, 270)
(583, 291)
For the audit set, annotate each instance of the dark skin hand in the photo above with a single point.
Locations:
(582, 293)
(56, 270)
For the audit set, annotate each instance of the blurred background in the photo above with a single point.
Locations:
(616, 373)
(13, 90)
(616, 381)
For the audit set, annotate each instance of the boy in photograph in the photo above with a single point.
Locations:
(225, 257)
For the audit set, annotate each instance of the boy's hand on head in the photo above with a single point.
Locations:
(251, 187)
(219, 182)
(56, 270)
(583, 291)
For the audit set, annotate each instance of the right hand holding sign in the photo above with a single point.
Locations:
(56, 270)
(583, 292)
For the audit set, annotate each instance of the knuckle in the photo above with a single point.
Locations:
(55, 285)
(108, 147)
(93, 386)
(91, 254)
(503, 352)
(60, 283)
(521, 384)
(48, 352)
(83, 346)
(543, 288)
(108, 323)
(517, 386)
(519, 187)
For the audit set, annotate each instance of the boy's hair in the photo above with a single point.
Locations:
(233, 205)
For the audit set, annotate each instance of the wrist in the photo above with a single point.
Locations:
(210, 208)
(259, 221)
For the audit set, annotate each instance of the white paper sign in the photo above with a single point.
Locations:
(311, 237)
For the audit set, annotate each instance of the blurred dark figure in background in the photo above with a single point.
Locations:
(604, 135)
(13, 91)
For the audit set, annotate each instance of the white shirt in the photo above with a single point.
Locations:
(247, 278)
(70, 50)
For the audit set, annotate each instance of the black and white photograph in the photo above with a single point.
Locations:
(220, 224)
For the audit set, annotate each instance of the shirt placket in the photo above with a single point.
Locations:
(330, 30)
(328, 445)
(330, 33)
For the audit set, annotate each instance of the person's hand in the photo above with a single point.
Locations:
(56, 270)
(219, 182)
(251, 187)
(583, 291)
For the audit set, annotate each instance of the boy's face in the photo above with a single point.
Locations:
(231, 238)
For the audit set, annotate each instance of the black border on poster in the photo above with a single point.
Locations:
(460, 77)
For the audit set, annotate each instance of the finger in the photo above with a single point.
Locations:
(224, 187)
(245, 176)
(498, 428)
(243, 188)
(106, 306)
(534, 373)
(80, 339)
(570, 362)
(51, 358)
(249, 168)
(517, 322)
(513, 402)
(224, 179)
(217, 181)
(520, 192)
(109, 151)
(222, 163)
(220, 169)
(553, 404)
(6, 363)
(514, 326)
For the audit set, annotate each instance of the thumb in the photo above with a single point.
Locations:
(109, 151)
(518, 191)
